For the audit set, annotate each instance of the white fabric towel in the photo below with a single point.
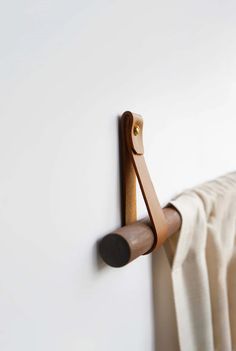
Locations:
(194, 276)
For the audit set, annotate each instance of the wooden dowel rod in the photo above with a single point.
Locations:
(129, 242)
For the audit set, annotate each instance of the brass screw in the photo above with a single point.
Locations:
(136, 130)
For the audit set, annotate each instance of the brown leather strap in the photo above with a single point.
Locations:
(129, 211)
(132, 125)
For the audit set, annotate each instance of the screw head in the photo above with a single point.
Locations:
(136, 129)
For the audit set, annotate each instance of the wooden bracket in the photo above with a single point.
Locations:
(137, 238)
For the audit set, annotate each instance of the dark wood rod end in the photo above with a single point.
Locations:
(131, 241)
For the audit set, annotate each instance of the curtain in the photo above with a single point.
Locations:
(194, 275)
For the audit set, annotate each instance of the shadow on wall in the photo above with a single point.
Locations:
(163, 303)
(98, 261)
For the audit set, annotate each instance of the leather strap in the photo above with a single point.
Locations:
(132, 128)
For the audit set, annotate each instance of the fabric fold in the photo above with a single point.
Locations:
(202, 267)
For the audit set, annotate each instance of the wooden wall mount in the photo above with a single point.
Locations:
(137, 238)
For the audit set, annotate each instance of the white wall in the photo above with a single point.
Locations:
(68, 70)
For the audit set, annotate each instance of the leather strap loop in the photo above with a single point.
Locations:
(133, 131)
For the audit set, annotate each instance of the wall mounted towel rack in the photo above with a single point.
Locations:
(141, 237)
